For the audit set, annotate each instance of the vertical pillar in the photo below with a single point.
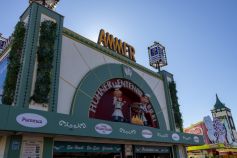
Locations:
(13, 147)
(28, 52)
(48, 147)
(175, 151)
(165, 76)
(33, 17)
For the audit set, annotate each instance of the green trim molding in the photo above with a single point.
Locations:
(19, 119)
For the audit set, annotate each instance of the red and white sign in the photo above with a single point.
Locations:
(103, 128)
(175, 137)
(147, 133)
(196, 130)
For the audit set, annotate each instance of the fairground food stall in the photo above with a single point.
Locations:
(70, 97)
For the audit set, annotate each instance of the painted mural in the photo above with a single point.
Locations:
(120, 100)
(218, 131)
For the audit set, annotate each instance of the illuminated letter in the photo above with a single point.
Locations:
(118, 46)
(132, 53)
(110, 41)
(125, 50)
(102, 38)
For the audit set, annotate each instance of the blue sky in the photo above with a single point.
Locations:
(200, 38)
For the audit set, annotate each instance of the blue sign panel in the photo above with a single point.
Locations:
(3, 72)
(157, 55)
(154, 54)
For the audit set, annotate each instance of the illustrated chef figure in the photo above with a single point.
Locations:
(118, 104)
(143, 108)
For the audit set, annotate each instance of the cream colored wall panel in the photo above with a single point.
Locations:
(76, 61)
(109, 60)
(158, 89)
(152, 81)
(91, 57)
(160, 95)
(72, 68)
(65, 96)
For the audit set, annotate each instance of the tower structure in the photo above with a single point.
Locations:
(223, 113)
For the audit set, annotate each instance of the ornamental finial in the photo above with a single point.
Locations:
(51, 4)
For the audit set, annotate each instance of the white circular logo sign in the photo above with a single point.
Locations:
(175, 137)
(31, 120)
(146, 133)
(103, 128)
(196, 139)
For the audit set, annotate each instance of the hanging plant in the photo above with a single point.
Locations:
(45, 56)
(175, 106)
(14, 64)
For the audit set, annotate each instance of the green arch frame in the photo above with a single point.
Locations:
(96, 77)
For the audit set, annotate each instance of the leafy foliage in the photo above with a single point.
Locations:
(175, 106)
(14, 64)
(45, 56)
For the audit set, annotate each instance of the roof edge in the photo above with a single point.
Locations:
(75, 36)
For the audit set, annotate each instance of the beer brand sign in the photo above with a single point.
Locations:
(115, 44)
(103, 128)
(31, 120)
(147, 133)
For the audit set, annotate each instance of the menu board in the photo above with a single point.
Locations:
(32, 148)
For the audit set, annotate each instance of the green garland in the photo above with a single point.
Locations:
(45, 55)
(175, 106)
(14, 64)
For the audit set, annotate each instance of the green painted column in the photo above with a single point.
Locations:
(13, 147)
(166, 75)
(34, 14)
(48, 147)
(175, 151)
(28, 59)
(168, 98)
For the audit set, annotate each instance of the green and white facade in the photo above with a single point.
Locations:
(80, 68)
